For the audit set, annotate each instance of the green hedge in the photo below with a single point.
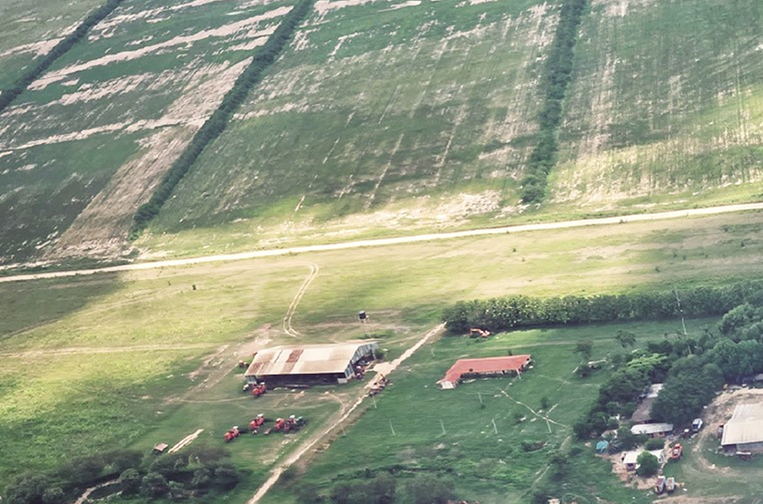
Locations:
(557, 75)
(498, 314)
(95, 17)
(218, 121)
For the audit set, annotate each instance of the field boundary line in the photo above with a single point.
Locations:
(401, 240)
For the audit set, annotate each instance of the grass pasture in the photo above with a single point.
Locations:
(665, 106)
(150, 358)
(486, 466)
(87, 142)
(28, 30)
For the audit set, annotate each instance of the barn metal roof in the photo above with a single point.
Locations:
(745, 425)
(306, 359)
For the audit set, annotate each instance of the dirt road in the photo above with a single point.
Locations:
(384, 368)
(394, 241)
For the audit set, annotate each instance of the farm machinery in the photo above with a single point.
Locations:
(256, 424)
(257, 389)
(676, 452)
(291, 424)
(378, 385)
(232, 434)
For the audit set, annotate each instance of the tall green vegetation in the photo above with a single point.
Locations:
(218, 121)
(95, 17)
(515, 311)
(557, 75)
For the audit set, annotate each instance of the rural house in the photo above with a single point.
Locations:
(643, 413)
(490, 366)
(308, 364)
(652, 429)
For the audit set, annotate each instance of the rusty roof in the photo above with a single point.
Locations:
(306, 359)
(486, 365)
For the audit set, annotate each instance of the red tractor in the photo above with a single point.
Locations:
(232, 434)
(258, 389)
(254, 425)
(290, 424)
(676, 452)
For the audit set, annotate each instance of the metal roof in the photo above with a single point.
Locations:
(651, 428)
(745, 425)
(307, 359)
(487, 365)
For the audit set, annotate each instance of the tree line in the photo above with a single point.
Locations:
(196, 472)
(693, 370)
(382, 489)
(556, 77)
(18, 87)
(509, 312)
(218, 121)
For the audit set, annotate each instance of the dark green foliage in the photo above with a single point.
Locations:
(655, 444)
(557, 75)
(427, 489)
(380, 490)
(130, 480)
(8, 95)
(218, 121)
(648, 464)
(508, 312)
(308, 494)
(53, 495)
(154, 485)
(226, 477)
(27, 489)
(585, 349)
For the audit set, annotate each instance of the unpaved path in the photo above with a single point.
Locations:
(185, 441)
(102, 350)
(402, 240)
(288, 329)
(386, 368)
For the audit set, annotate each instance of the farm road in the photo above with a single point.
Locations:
(103, 350)
(402, 240)
(384, 368)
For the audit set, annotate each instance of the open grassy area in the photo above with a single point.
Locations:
(134, 350)
(472, 435)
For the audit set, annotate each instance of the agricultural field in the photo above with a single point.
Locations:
(29, 30)
(150, 359)
(385, 113)
(665, 106)
(90, 139)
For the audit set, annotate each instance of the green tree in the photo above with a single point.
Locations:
(625, 339)
(427, 489)
(154, 485)
(308, 494)
(584, 349)
(648, 465)
(53, 495)
(130, 480)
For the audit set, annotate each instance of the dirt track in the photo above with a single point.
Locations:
(394, 241)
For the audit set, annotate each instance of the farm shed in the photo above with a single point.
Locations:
(652, 429)
(643, 412)
(744, 431)
(308, 364)
(490, 366)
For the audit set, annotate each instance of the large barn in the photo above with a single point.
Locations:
(308, 364)
(744, 431)
(490, 366)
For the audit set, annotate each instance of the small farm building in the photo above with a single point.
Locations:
(630, 459)
(643, 412)
(744, 431)
(308, 364)
(652, 429)
(490, 366)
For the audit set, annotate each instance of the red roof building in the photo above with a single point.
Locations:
(490, 366)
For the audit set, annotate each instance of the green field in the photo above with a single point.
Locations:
(665, 105)
(85, 145)
(133, 350)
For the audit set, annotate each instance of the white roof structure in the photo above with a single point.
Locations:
(631, 457)
(308, 359)
(745, 425)
(654, 390)
(651, 428)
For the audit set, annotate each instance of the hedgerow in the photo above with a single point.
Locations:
(95, 17)
(218, 121)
